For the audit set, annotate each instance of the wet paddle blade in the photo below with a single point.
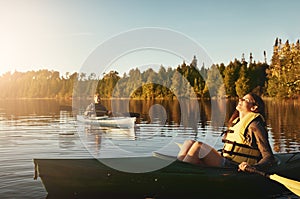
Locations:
(292, 185)
(179, 145)
(164, 156)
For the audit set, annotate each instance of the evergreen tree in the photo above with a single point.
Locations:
(213, 83)
(283, 73)
(177, 85)
(258, 77)
(243, 83)
(231, 75)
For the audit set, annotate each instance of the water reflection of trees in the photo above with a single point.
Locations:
(30, 107)
(282, 116)
(283, 119)
(186, 112)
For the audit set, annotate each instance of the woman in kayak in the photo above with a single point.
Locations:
(245, 142)
(96, 108)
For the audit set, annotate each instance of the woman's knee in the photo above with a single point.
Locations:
(189, 142)
(195, 147)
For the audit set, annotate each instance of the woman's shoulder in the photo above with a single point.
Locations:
(258, 120)
(258, 125)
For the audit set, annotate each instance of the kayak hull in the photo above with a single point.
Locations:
(113, 122)
(90, 178)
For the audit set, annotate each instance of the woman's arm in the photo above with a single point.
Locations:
(260, 137)
(90, 110)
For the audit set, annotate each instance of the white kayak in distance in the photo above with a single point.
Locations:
(105, 121)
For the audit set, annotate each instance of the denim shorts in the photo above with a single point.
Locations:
(228, 163)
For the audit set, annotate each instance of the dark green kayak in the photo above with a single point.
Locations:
(90, 178)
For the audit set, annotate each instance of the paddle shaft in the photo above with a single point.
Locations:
(130, 114)
(253, 170)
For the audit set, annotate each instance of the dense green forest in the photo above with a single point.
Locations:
(279, 79)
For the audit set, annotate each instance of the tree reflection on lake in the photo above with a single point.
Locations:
(282, 116)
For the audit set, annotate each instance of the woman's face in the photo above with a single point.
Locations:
(246, 104)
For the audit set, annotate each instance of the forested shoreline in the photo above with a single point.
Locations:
(279, 79)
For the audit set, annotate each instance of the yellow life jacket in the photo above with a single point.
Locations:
(236, 147)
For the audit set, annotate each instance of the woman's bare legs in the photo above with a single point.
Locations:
(192, 154)
(200, 153)
(184, 149)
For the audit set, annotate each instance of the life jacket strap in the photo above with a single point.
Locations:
(240, 154)
(232, 152)
(237, 144)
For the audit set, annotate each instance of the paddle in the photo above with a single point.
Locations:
(179, 145)
(292, 185)
(130, 114)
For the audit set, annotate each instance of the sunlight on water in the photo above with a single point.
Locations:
(31, 137)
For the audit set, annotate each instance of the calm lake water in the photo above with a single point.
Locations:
(48, 129)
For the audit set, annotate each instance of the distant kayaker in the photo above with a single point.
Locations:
(96, 108)
(246, 141)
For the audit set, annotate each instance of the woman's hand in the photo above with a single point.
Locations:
(243, 166)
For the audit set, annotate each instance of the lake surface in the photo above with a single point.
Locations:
(48, 129)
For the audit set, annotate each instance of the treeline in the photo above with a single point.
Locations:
(235, 79)
(37, 84)
(279, 79)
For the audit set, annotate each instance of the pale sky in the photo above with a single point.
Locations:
(61, 34)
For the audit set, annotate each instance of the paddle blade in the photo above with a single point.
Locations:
(179, 145)
(292, 185)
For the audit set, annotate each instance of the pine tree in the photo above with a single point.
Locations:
(231, 75)
(243, 83)
(213, 83)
